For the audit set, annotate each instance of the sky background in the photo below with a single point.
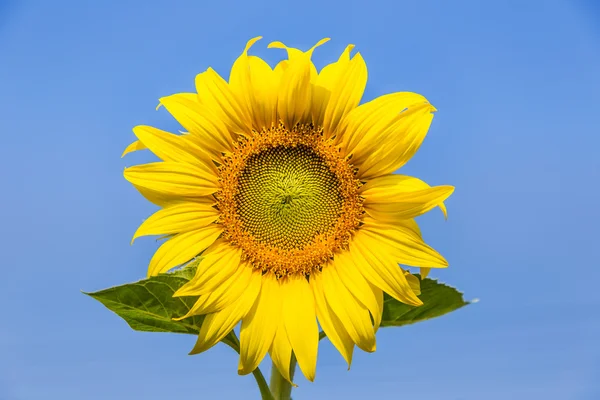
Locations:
(516, 85)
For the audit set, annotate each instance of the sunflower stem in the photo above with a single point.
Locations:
(265, 393)
(280, 387)
(232, 341)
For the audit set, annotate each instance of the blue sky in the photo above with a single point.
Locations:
(516, 84)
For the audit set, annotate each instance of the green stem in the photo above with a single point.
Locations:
(232, 341)
(265, 393)
(280, 387)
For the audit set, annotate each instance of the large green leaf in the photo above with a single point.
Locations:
(438, 299)
(149, 305)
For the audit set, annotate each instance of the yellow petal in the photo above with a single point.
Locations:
(281, 353)
(223, 295)
(191, 98)
(219, 262)
(331, 74)
(382, 271)
(332, 326)
(265, 86)
(181, 248)
(177, 218)
(156, 197)
(299, 318)
(345, 95)
(164, 200)
(320, 98)
(239, 77)
(367, 127)
(394, 197)
(401, 244)
(412, 225)
(215, 94)
(325, 82)
(295, 53)
(205, 128)
(169, 147)
(255, 86)
(356, 284)
(413, 282)
(408, 226)
(353, 315)
(379, 296)
(249, 80)
(173, 179)
(294, 96)
(295, 90)
(398, 144)
(280, 68)
(217, 325)
(135, 146)
(260, 325)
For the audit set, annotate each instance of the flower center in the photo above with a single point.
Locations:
(287, 196)
(288, 199)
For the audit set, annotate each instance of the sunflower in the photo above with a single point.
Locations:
(285, 187)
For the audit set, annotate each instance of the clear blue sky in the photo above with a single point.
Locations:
(517, 88)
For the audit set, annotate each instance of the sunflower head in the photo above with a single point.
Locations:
(285, 185)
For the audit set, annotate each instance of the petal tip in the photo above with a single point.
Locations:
(443, 262)
(373, 348)
(321, 42)
(276, 45)
(198, 348)
(251, 42)
(127, 151)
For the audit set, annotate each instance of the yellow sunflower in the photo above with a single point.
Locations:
(285, 186)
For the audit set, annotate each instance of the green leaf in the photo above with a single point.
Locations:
(149, 305)
(438, 299)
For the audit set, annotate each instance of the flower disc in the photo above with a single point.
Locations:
(289, 199)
